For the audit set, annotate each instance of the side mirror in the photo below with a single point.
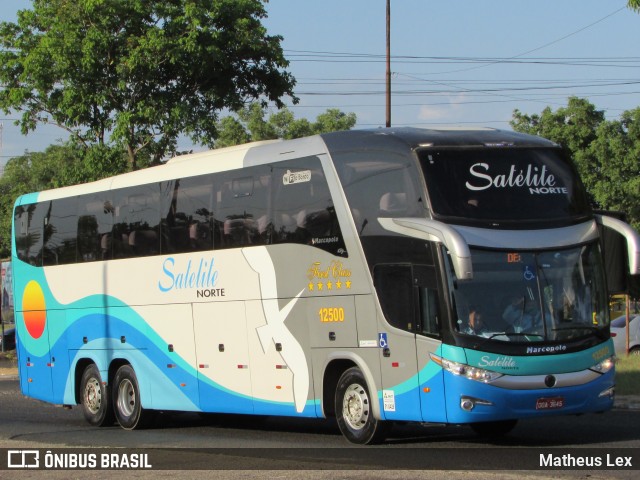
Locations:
(432, 230)
(621, 252)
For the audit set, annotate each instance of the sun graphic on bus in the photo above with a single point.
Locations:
(34, 309)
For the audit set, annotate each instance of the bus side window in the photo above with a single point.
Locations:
(29, 232)
(378, 183)
(60, 232)
(408, 296)
(429, 306)
(95, 223)
(394, 284)
(187, 214)
(137, 221)
(242, 208)
(304, 212)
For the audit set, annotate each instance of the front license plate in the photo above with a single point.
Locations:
(549, 403)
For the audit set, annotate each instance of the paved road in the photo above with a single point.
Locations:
(276, 443)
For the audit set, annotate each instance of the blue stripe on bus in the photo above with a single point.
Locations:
(176, 388)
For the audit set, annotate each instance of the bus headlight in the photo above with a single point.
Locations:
(467, 371)
(604, 366)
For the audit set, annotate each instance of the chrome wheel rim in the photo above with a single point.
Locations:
(93, 395)
(126, 398)
(355, 406)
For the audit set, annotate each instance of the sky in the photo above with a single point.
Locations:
(466, 63)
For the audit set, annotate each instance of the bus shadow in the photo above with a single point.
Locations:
(585, 430)
(176, 420)
(576, 431)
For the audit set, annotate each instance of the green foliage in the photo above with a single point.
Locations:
(139, 73)
(57, 166)
(250, 125)
(606, 152)
(628, 375)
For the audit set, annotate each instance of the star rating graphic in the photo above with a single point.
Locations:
(324, 286)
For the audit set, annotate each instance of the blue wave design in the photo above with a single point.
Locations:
(177, 388)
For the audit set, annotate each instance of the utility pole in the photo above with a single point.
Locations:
(388, 116)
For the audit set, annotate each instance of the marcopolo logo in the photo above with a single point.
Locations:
(546, 349)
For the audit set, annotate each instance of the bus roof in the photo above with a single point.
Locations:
(275, 150)
(433, 137)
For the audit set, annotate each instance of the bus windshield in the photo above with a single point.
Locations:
(532, 296)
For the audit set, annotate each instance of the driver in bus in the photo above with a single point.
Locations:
(475, 324)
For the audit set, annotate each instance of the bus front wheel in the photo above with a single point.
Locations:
(353, 409)
(96, 405)
(126, 400)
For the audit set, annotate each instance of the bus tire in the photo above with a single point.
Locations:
(495, 429)
(95, 398)
(126, 400)
(353, 409)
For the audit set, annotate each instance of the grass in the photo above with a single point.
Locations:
(628, 375)
(8, 355)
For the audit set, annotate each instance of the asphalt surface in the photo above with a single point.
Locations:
(25, 429)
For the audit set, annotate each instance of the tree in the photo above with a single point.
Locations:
(249, 124)
(617, 150)
(574, 127)
(139, 73)
(606, 153)
(634, 5)
(57, 166)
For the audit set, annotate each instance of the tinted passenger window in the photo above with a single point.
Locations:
(379, 184)
(409, 297)
(136, 229)
(95, 224)
(60, 230)
(29, 223)
(187, 214)
(242, 208)
(425, 280)
(304, 211)
(394, 284)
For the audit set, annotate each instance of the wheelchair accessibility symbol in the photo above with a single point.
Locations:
(529, 274)
(382, 340)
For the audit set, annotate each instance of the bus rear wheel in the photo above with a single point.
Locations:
(95, 401)
(353, 409)
(126, 400)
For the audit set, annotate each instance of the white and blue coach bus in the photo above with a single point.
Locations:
(449, 276)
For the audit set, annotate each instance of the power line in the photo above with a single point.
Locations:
(549, 43)
(467, 90)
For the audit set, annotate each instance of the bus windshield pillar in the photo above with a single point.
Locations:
(432, 229)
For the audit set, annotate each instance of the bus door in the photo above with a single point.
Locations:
(428, 301)
(398, 288)
(412, 384)
(222, 356)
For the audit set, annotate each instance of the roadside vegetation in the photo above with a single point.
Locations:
(628, 375)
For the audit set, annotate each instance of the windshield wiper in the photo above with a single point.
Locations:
(514, 334)
(598, 331)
